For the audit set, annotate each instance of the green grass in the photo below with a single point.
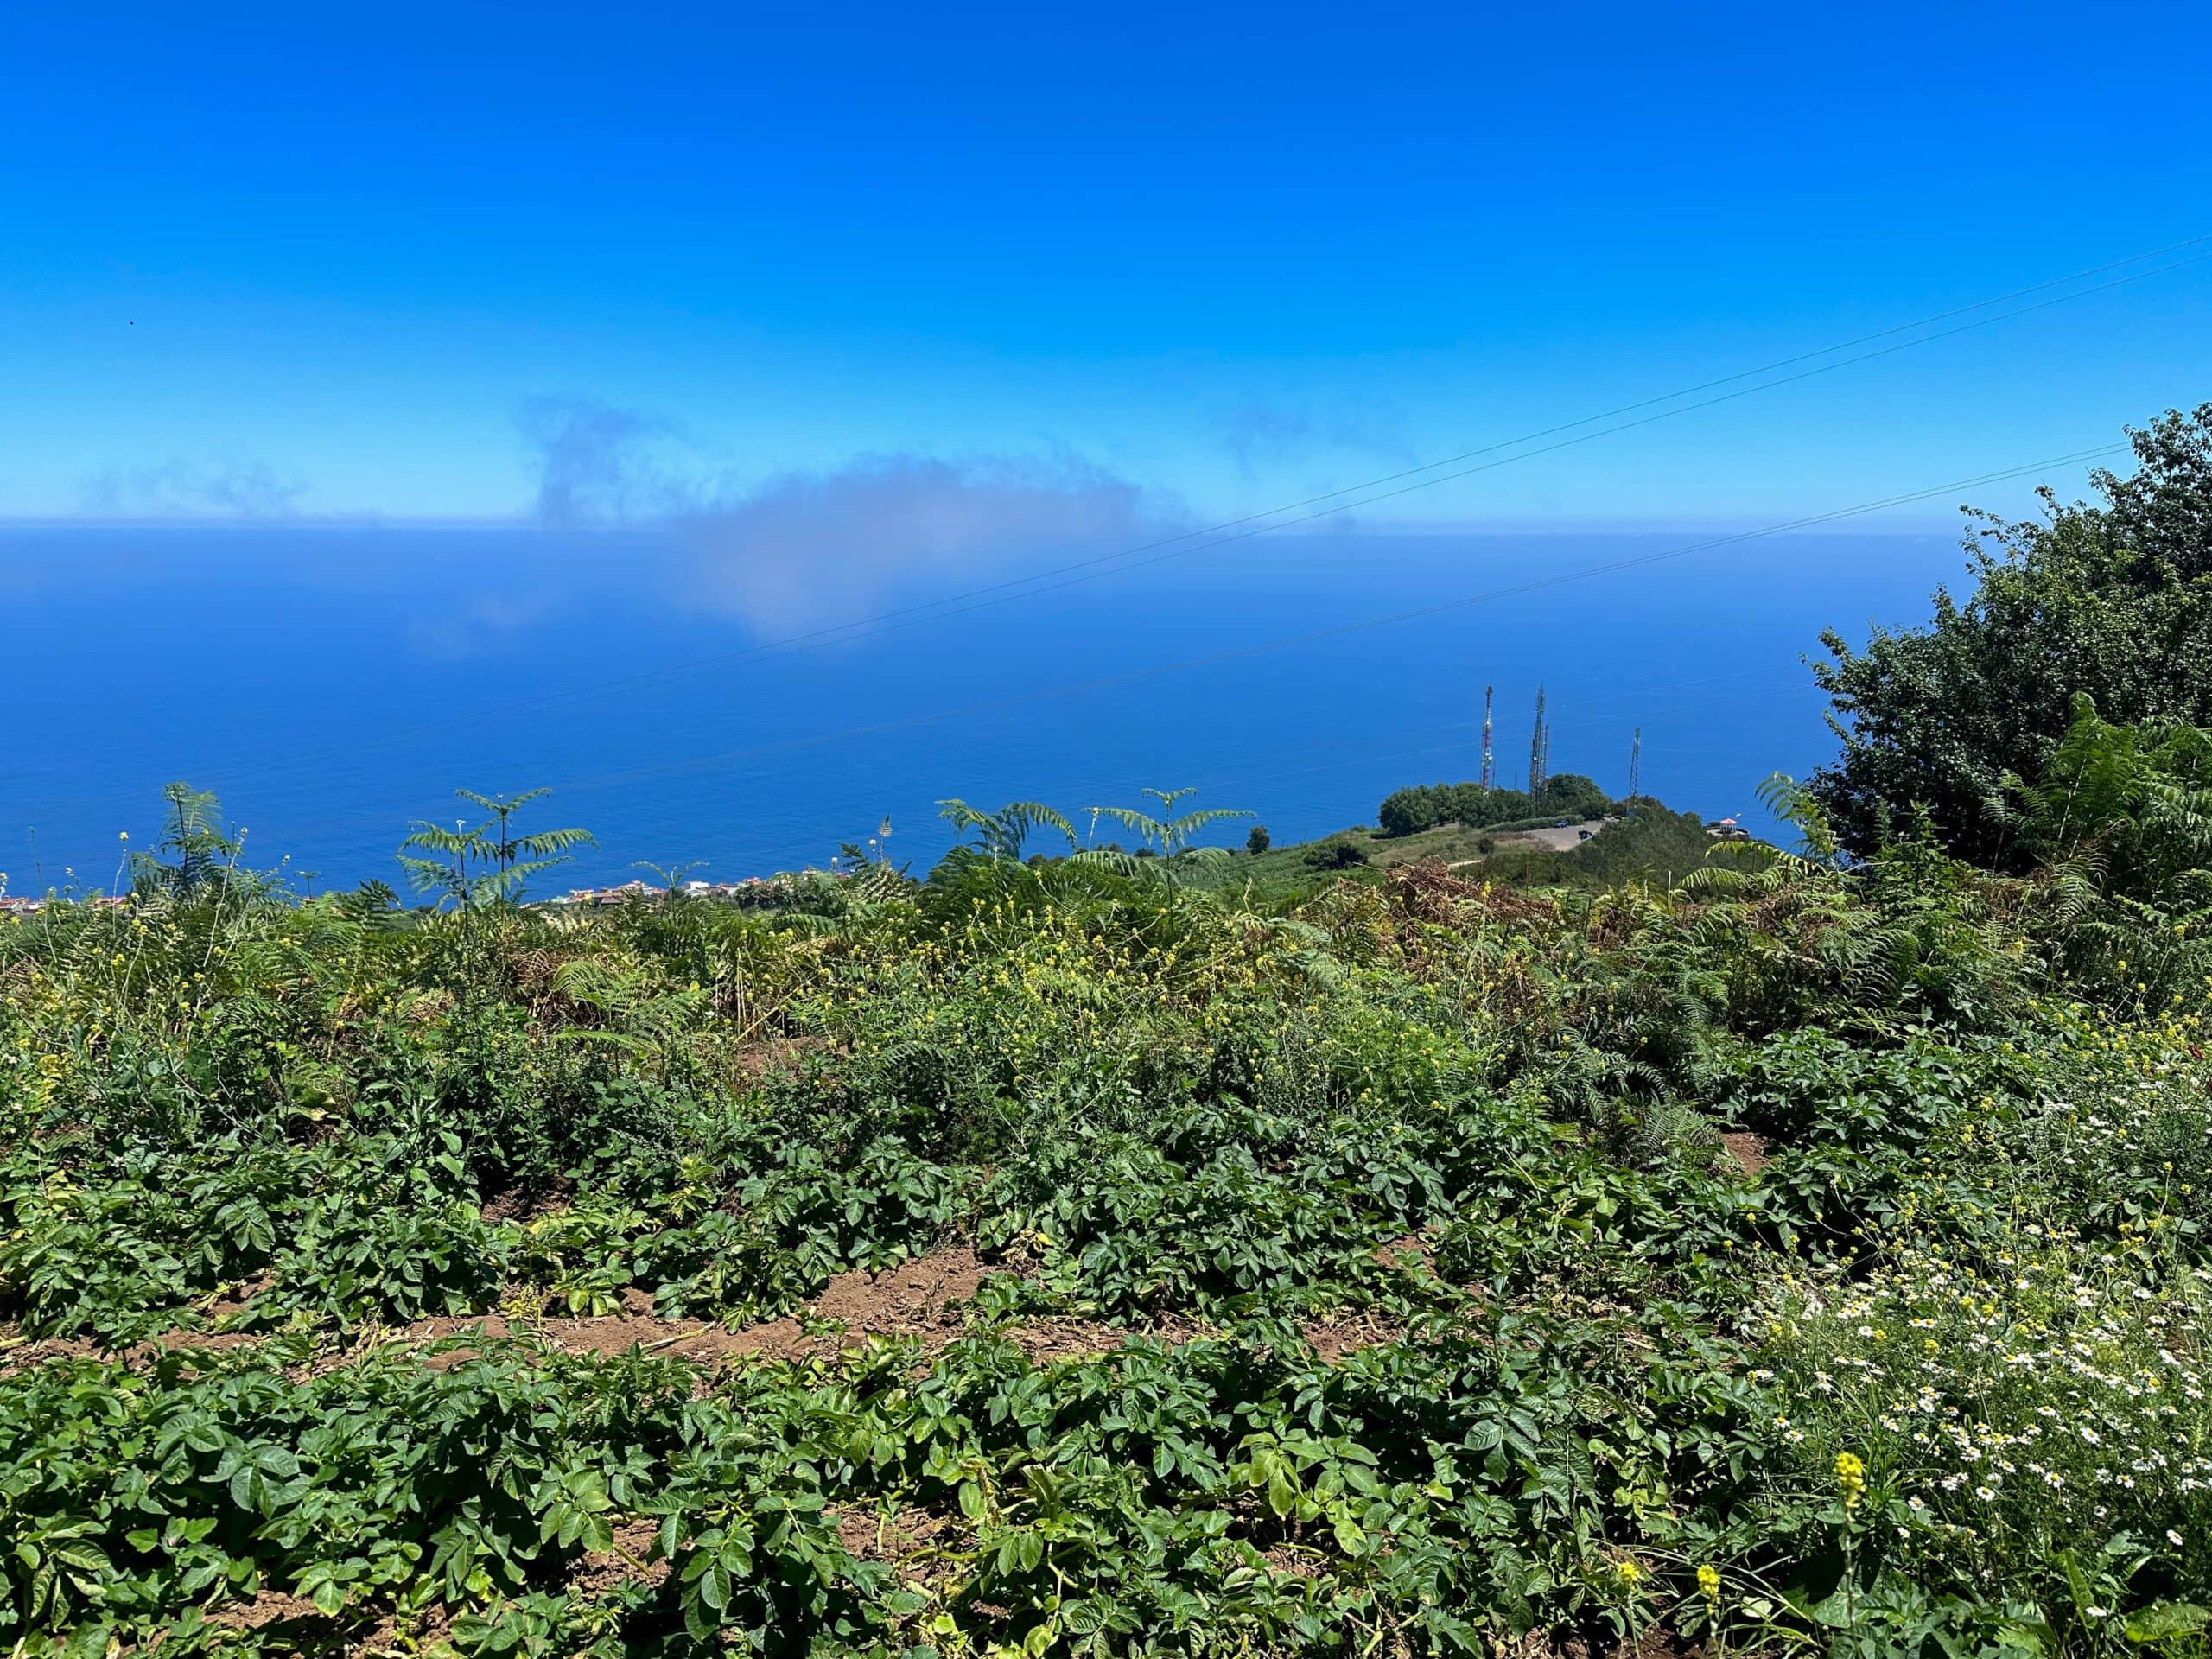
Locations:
(1654, 844)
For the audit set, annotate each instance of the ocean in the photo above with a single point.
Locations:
(333, 682)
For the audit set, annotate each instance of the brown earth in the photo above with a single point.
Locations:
(1335, 1337)
(1748, 1150)
(1414, 1245)
(1289, 1561)
(602, 1570)
(269, 1607)
(871, 1536)
(920, 1299)
(1064, 1336)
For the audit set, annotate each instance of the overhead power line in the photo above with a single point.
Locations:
(728, 757)
(1333, 503)
(1388, 486)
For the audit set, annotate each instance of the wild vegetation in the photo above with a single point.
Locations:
(1078, 1253)
(2110, 600)
(1422, 806)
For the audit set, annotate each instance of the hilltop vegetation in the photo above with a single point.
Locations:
(1093, 1255)
(1646, 842)
(1567, 795)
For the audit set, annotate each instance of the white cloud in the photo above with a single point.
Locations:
(185, 489)
(809, 548)
(801, 549)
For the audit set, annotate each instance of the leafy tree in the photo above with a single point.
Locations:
(488, 863)
(1423, 806)
(1168, 834)
(1407, 811)
(1655, 845)
(1571, 795)
(671, 875)
(206, 853)
(1259, 841)
(1338, 853)
(1001, 834)
(2112, 599)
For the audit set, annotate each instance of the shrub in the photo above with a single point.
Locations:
(1338, 853)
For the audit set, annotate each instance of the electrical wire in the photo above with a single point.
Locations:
(1368, 493)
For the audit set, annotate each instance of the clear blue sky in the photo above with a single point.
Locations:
(317, 260)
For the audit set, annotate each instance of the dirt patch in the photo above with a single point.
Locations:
(19, 1353)
(871, 1536)
(1748, 1150)
(1658, 1642)
(1408, 1254)
(512, 1204)
(1288, 1562)
(492, 1327)
(778, 1054)
(420, 1634)
(918, 1298)
(269, 1607)
(914, 1299)
(1043, 1341)
(618, 1334)
(1062, 1336)
(911, 1299)
(1338, 1335)
(629, 1559)
(217, 1341)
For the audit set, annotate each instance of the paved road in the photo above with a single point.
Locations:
(1562, 840)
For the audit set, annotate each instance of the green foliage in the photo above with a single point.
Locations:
(473, 866)
(1409, 810)
(2139, 799)
(1651, 844)
(1259, 841)
(1567, 794)
(1338, 853)
(2112, 601)
(1002, 833)
(1421, 1266)
(206, 851)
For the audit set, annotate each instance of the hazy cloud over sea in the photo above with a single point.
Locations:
(187, 489)
(800, 549)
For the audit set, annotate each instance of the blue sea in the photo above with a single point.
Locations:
(333, 684)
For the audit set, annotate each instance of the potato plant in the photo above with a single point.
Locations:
(1791, 1258)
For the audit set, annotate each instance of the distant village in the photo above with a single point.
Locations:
(624, 893)
(13, 905)
(750, 886)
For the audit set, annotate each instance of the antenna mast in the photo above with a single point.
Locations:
(1636, 764)
(1490, 772)
(1538, 747)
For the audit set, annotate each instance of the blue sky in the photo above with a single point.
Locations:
(273, 261)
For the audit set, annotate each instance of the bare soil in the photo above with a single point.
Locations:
(1335, 1337)
(602, 1570)
(1748, 1150)
(269, 1607)
(921, 1299)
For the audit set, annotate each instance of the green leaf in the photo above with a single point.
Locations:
(2162, 1621)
